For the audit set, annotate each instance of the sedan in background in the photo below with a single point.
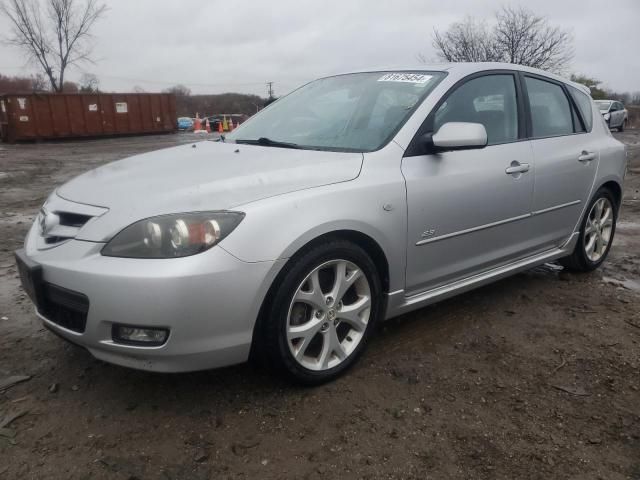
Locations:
(613, 113)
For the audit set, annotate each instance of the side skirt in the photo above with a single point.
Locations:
(398, 303)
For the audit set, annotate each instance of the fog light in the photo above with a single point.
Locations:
(132, 335)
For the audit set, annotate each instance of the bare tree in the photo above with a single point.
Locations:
(524, 38)
(467, 41)
(70, 87)
(518, 36)
(179, 90)
(38, 83)
(55, 35)
(89, 83)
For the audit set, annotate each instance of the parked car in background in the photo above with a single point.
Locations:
(213, 122)
(236, 118)
(354, 199)
(185, 123)
(613, 113)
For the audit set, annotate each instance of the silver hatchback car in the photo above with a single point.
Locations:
(352, 200)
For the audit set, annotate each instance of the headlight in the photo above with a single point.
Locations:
(170, 236)
(607, 116)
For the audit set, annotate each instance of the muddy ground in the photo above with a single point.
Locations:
(536, 376)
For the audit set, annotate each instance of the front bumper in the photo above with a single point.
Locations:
(209, 302)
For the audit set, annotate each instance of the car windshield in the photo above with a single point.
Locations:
(603, 104)
(356, 112)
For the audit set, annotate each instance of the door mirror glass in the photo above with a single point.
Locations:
(459, 136)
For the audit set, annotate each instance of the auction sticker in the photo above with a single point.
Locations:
(405, 77)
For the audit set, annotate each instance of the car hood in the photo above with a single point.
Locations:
(204, 176)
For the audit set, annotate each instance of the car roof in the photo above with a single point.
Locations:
(463, 69)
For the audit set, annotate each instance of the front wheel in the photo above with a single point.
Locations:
(596, 234)
(324, 312)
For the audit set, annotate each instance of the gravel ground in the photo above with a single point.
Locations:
(536, 376)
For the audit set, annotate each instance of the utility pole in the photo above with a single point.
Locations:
(270, 90)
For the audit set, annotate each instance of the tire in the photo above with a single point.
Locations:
(583, 259)
(328, 343)
(621, 127)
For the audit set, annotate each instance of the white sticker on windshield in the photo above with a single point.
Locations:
(405, 77)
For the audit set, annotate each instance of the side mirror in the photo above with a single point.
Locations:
(458, 136)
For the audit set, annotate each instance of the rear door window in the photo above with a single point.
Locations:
(551, 114)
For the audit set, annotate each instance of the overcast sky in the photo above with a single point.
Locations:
(217, 46)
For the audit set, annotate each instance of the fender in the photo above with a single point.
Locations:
(283, 224)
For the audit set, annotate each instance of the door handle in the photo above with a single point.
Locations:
(586, 157)
(516, 168)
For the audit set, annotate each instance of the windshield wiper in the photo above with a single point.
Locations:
(267, 142)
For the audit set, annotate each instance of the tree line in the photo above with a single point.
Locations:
(187, 105)
(38, 84)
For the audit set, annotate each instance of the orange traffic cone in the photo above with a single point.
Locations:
(230, 125)
(220, 129)
(197, 124)
(207, 126)
(237, 124)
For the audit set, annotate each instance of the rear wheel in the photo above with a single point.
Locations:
(621, 127)
(324, 312)
(596, 234)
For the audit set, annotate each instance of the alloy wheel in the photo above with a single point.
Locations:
(597, 234)
(328, 315)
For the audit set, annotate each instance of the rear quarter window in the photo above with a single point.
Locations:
(584, 105)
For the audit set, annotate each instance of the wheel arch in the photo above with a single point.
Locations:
(615, 188)
(366, 242)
